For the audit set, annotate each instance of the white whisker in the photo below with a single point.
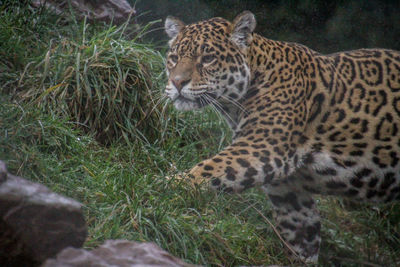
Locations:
(212, 106)
(235, 103)
(219, 108)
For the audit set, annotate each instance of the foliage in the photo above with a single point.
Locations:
(104, 83)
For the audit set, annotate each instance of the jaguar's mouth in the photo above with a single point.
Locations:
(183, 102)
(183, 99)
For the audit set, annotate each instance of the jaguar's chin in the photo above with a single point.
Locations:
(184, 104)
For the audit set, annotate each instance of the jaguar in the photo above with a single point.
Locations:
(303, 123)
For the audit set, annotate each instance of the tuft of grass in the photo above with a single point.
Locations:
(100, 81)
(104, 83)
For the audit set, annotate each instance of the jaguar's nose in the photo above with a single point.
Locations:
(179, 82)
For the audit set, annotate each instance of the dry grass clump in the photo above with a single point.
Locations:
(104, 83)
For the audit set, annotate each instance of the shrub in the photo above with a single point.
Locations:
(104, 83)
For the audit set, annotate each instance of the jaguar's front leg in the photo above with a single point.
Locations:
(228, 174)
(240, 166)
(224, 174)
(232, 170)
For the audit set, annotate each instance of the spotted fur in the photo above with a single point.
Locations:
(304, 123)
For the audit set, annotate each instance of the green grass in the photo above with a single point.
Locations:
(126, 195)
(123, 185)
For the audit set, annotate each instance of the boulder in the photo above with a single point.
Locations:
(121, 253)
(35, 223)
(117, 11)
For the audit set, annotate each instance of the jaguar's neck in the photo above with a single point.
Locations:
(265, 56)
(266, 59)
(258, 59)
(231, 111)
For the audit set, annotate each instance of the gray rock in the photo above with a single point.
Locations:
(35, 223)
(117, 11)
(115, 253)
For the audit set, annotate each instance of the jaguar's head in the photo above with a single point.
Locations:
(207, 61)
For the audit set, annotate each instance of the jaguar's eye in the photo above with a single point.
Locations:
(207, 59)
(173, 58)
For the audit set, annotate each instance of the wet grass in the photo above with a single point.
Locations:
(125, 194)
(123, 184)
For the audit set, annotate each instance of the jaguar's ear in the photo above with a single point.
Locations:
(242, 27)
(173, 26)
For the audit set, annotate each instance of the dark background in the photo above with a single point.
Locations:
(325, 26)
